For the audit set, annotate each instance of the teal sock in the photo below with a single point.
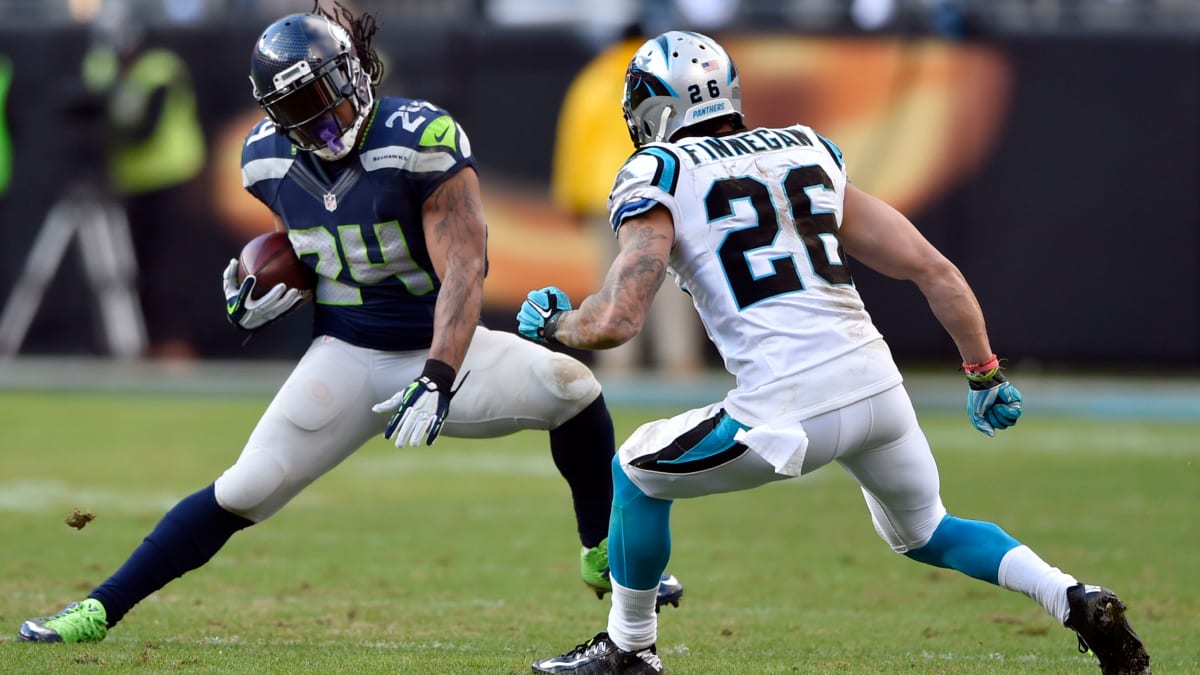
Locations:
(639, 534)
(973, 547)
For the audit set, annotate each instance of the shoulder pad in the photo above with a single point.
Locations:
(834, 151)
(654, 165)
(263, 143)
(648, 178)
(266, 156)
(414, 135)
(417, 124)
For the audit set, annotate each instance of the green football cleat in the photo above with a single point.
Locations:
(593, 567)
(79, 622)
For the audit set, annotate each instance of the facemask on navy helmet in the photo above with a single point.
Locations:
(303, 68)
(677, 80)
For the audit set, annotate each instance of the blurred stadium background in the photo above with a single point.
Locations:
(1050, 147)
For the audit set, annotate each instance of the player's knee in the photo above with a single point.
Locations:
(567, 379)
(909, 533)
(624, 490)
(253, 487)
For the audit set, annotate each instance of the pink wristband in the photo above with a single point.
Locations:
(982, 368)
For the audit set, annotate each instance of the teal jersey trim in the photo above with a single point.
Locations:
(666, 176)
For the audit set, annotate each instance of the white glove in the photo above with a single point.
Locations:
(419, 410)
(250, 314)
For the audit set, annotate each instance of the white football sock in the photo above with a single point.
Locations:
(632, 621)
(1022, 570)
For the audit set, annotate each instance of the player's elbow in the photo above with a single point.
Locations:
(477, 268)
(470, 269)
(939, 276)
(614, 331)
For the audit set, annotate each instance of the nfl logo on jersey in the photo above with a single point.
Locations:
(330, 202)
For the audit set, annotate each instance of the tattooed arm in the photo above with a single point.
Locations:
(613, 315)
(456, 237)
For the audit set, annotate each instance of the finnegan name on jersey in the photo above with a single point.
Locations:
(745, 143)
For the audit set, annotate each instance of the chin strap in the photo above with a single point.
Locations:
(662, 123)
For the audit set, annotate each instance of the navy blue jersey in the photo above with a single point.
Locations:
(357, 221)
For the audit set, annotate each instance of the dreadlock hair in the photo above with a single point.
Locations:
(361, 28)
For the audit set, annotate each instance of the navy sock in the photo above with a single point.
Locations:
(186, 538)
(582, 449)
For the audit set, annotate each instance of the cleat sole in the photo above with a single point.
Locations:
(1117, 647)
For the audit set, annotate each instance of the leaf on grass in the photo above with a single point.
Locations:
(79, 519)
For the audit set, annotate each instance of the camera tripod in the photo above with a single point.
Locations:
(109, 265)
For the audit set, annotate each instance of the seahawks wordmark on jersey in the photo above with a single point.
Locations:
(757, 215)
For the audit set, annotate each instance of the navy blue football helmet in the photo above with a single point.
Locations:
(303, 68)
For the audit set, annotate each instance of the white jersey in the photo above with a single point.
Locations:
(756, 218)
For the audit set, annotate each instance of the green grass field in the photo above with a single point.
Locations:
(462, 558)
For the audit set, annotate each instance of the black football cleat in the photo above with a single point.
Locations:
(601, 656)
(1097, 616)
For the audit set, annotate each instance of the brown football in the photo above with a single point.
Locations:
(271, 259)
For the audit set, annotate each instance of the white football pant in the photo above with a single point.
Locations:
(322, 413)
(877, 440)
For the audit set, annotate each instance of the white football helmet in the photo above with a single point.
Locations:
(677, 80)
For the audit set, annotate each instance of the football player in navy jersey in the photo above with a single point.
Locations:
(380, 197)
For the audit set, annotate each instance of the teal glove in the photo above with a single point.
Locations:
(992, 402)
(538, 318)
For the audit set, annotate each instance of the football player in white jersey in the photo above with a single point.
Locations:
(757, 225)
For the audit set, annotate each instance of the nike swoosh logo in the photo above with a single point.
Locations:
(559, 662)
(544, 313)
(438, 137)
(231, 308)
